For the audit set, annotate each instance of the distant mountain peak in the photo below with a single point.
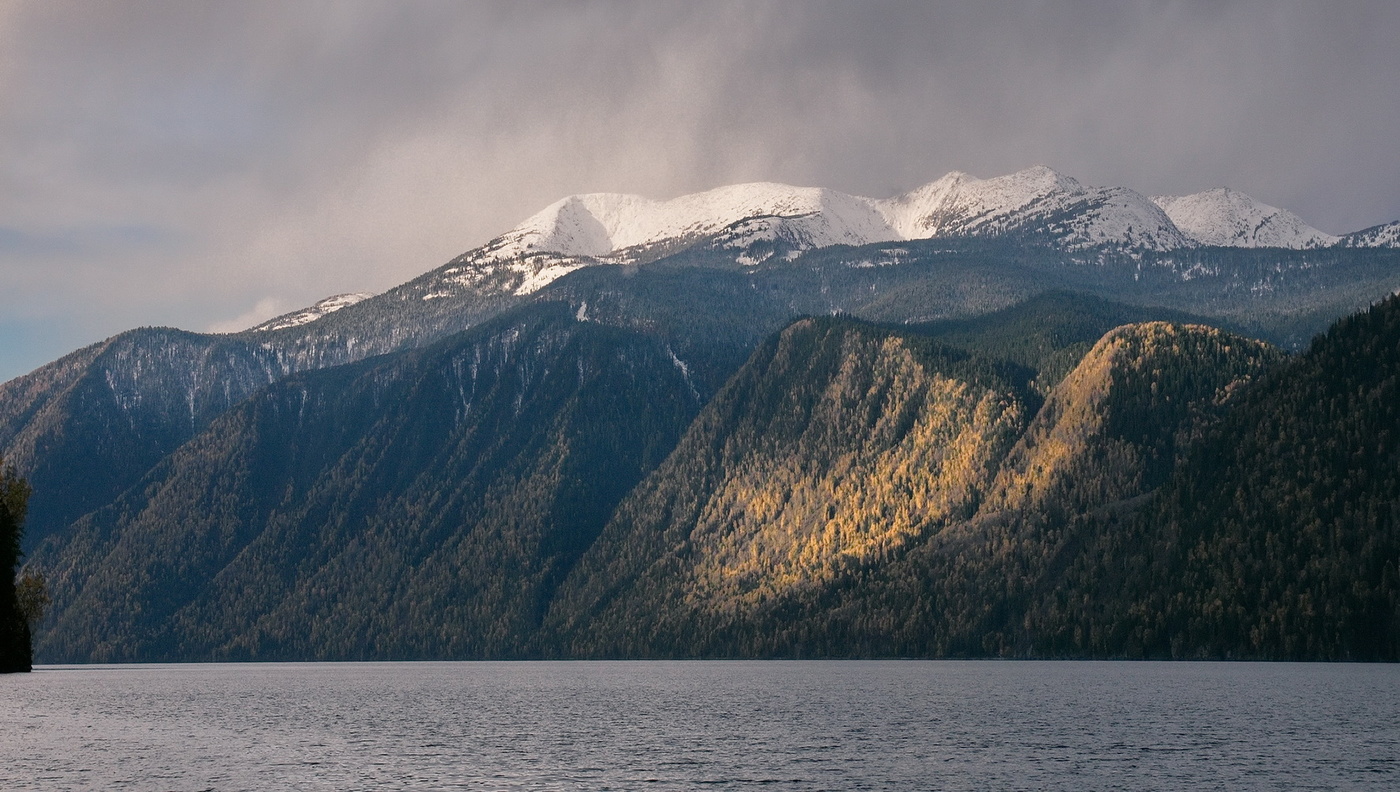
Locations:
(1229, 218)
(1038, 200)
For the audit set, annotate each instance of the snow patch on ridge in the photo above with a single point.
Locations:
(684, 370)
(1381, 236)
(311, 313)
(542, 277)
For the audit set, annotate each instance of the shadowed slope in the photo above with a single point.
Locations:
(417, 505)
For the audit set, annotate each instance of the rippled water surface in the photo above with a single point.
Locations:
(710, 725)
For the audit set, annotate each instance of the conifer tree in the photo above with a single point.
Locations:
(14, 629)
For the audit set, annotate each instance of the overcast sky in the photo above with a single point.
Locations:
(208, 165)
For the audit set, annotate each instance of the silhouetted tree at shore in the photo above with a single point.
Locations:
(14, 627)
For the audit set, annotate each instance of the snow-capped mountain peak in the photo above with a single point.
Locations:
(759, 221)
(1227, 217)
(959, 203)
(609, 224)
(623, 226)
(1037, 199)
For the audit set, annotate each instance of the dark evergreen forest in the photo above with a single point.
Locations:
(1065, 477)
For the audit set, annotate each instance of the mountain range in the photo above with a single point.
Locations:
(1037, 200)
(755, 421)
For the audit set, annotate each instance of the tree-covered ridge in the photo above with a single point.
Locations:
(1114, 427)
(85, 428)
(961, 575)
(417, 505)
(1280, 535)
(1109, 435)
(1048, 333)
(957, 549)
(834, 446)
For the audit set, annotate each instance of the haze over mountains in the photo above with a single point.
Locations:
(617, 430)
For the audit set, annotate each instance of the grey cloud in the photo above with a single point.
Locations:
(297, 150)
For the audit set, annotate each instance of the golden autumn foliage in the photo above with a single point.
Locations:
(1076, 440)
(891, 449)
(859, 487)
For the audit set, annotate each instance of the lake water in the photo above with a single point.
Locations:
(702, 725)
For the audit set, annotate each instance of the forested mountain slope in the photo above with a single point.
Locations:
(422, 504)
(836, 444)
(264, 518)
(86, 427)
(1065, 477)
(859, 491)
(1279, 537)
